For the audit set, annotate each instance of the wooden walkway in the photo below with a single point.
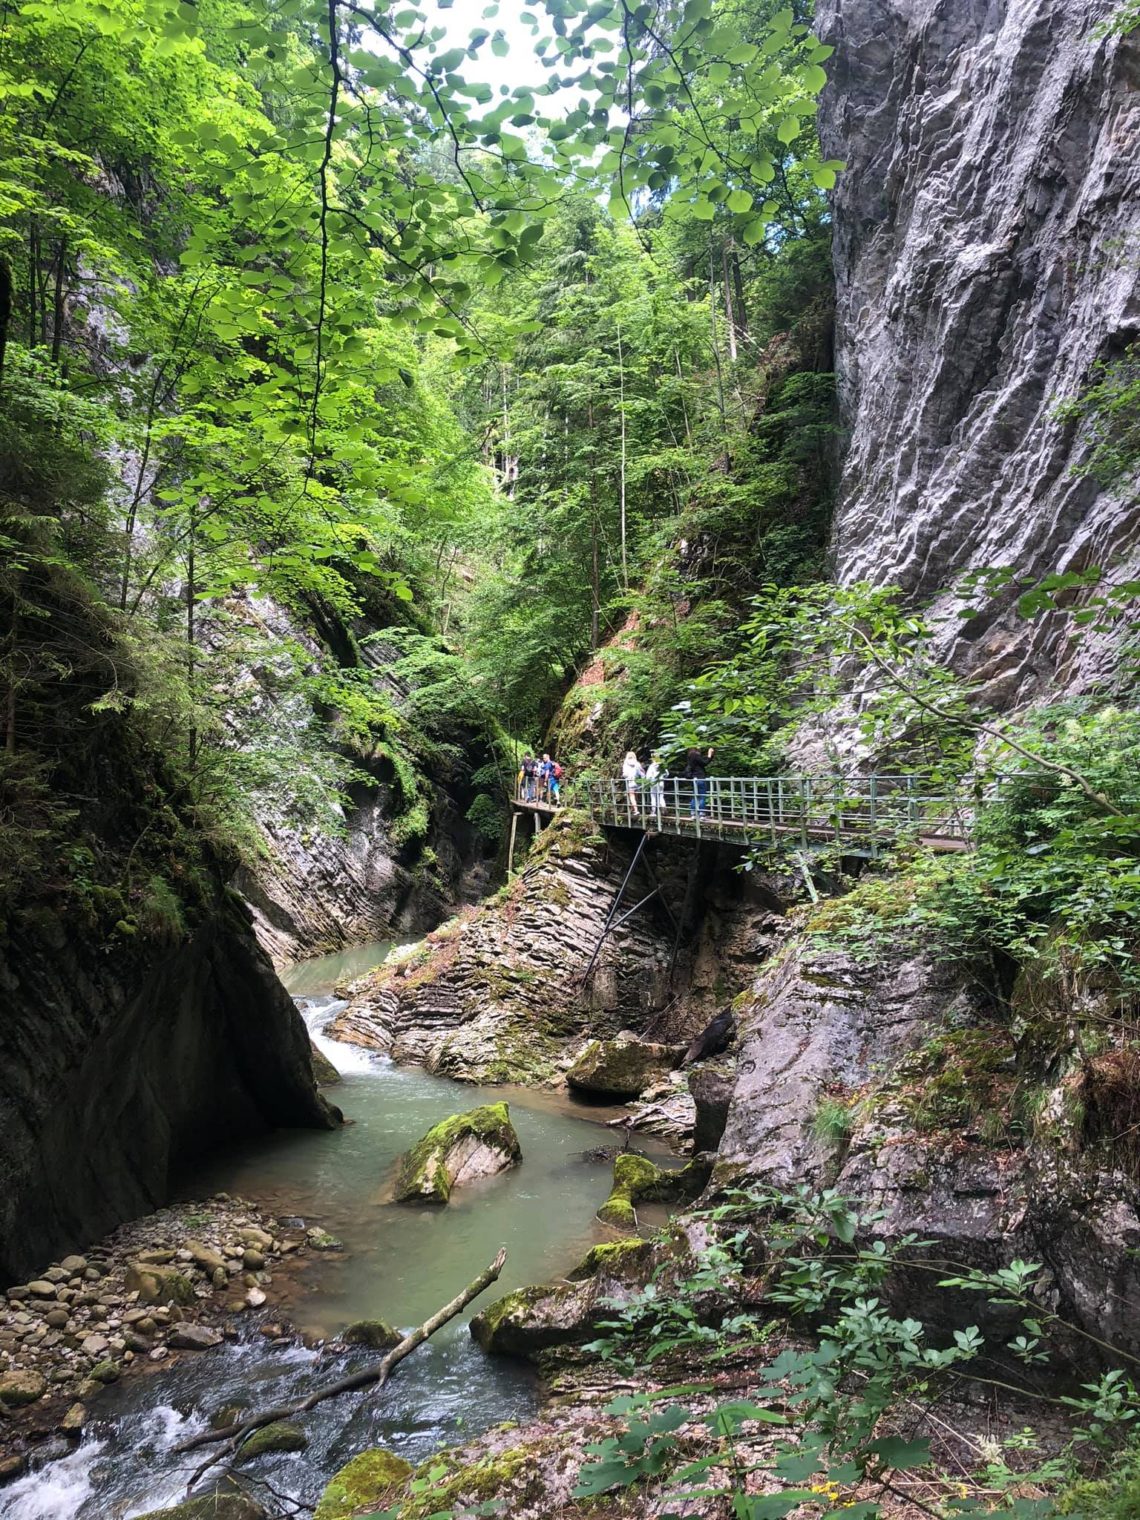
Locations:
(861, 814)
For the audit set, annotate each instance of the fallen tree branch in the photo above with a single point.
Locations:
(378, 1373)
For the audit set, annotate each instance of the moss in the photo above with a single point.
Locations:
(448, 1484)
(377, 1333)
(424, 1176)
(362, 1485)
(635, 1178)
(610, 1257)
(280, 1436)
(487, 1325)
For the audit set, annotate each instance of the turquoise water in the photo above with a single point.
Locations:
(401, 1262)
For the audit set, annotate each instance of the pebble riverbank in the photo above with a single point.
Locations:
(177, 1281)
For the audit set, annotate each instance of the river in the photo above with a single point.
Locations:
(400, 1262)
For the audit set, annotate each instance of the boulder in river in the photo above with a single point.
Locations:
(225, 1504)
(362, 1485)
(566, 1313)
(621, 1068)
(637, 1180)
(323, 1069)
(377, 1334)
(458, 1150)
(280, 1436)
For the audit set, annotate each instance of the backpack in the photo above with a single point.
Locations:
(556, 771)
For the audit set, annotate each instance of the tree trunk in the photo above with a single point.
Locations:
(621, 404)
(191, 674)
(716, 341)
(33, 278)
(739, 304)
(5, 311)
(595, 588)
(730, 315)
(57, 303)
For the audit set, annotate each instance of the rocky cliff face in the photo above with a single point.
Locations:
(985, 237)
(141, 1025)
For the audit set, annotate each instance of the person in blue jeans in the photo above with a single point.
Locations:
(696, 771)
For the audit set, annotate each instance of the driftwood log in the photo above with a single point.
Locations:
(377, 1374)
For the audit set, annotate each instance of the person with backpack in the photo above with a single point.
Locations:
(696, 771)
(528, 773)
(656, 775)
(555, 782)
(545, 772)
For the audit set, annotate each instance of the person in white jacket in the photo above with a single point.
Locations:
(655, 774)
(632, 772)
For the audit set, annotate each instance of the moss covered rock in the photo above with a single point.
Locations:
(222, 1505)
(280, 1436)
(638, 1180)
(458, 1150)
(157, 1284)
(376, 1333)
(621, 1068)
(20, 1388)
(363, 1485)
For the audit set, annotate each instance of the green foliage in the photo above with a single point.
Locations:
(1110, 407)
(844, 1393)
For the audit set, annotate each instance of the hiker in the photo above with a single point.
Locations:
(632, 772)
(696, 771)
(655, 774)
(545, 776)
(555, 782)
(528, 774)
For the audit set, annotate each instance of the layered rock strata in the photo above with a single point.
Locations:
(498, 996)
(984, 247)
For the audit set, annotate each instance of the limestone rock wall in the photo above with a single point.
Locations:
(904, 1085)
(985, 243)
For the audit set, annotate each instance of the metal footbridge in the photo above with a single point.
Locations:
(860, 815)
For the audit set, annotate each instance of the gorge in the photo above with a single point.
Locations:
(767, 391)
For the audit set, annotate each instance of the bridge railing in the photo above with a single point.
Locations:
(811, 808)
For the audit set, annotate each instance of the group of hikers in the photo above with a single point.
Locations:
(653, 785)
(539, 780)
(649, 785)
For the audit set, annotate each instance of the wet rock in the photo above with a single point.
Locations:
(280, 1436)
(56, 1318)
(255, 1298)
(458, 1150)
(12, 1466)
(204, 1256)
(74, 1420)
(712, 1094)
(156, 1284)
(253, 1260)
(259, 1239)
(362, 1485)
(621, 1068)
(106, 1372)
(376, 1333)
(321, 1240)
(18, 1389)
(324, 1071)
(226, 1504)
(160, 1256)
(194, 1338)
(638, 1180)
(562, 1314)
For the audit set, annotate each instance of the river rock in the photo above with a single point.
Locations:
(205, 1256)
(280, 1436)
(621, 1068)
(159, 1284)
(226, 1504)
(459, 1150)
(74, 1420)
(321, 1240)
(41, 1288)
(105, 1372)
(194, 1338)
(324, 1071)
(363, 1485)
(568, 1313)
(95, 1345)
(20, 1388)
(74, 1265)
(376, 1333)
